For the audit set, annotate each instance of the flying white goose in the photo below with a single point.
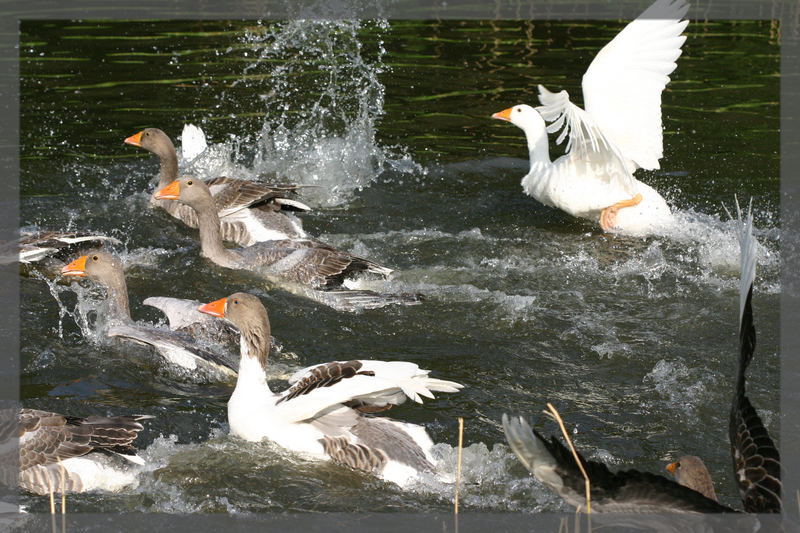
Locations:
(619, 131)
(322, 413)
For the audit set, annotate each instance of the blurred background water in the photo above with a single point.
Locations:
(633, 339)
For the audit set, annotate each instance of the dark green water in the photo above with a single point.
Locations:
(634, 340)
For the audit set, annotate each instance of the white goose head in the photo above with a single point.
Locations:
(531, 122)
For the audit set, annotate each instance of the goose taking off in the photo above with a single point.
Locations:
(618, 132)
(322, 413)
(249, 212)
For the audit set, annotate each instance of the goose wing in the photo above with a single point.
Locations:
(756, 460)
(622, 86)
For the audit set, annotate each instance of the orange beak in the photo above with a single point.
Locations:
(170, 192)
(76, 268)
(505, 114)
(135, 140)
(671, 467)
(215, 308)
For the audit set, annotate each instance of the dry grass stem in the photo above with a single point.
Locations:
(63, 488)
(554, 413)
(52, 497)
(458, 467)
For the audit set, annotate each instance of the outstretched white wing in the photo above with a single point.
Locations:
(622, 86)
(319, 388)
(587, 140)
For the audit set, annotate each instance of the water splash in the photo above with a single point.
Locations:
(318, 83)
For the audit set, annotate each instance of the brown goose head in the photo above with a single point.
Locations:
(154, 140)
(105, 269)
(187, 190)
(248, 314)
(690, 471)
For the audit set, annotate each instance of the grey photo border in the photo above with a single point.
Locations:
(787, 11)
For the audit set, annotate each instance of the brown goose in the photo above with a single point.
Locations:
(50, 441)
(321, 414)
(308, 267)
(756, 461)
(690, 471)
(249, 212)
(176, 347)
(626, 491)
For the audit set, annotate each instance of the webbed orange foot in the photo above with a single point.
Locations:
(608, 218)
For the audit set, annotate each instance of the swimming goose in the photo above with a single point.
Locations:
(176, 347)
(756, 461)
(321, 414)
(619, 131)
(50, 441)
(626, 491)
(307, 267)
(249, 212)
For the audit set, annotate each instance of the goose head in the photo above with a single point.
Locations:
(153, 140)
(690, 471)
(248, 314)
(99, 266)
(523, 116)
(187, 190)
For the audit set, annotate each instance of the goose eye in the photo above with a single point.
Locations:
(95, 258)
(147, 134)
(678, 464)
(189, 182)
(236, 301)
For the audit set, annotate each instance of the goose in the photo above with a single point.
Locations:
(756, 461)
(176, 347)
(307, 267)
(53, 445)
(322, 414)
(619, 131)
(249, 212)
(626, 491)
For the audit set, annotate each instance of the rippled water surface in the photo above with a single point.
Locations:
(632, 339)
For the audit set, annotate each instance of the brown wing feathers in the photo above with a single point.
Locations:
(325, 375)
(46, 437)
(756, 460)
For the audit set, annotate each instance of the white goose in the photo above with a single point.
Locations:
(322, 413)
(619, 131)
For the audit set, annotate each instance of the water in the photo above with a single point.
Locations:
(632, 339)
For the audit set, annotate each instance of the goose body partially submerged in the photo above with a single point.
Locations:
(176, 347)
(322, 413)
(304, 266)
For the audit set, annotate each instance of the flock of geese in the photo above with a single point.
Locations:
(329, 410)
